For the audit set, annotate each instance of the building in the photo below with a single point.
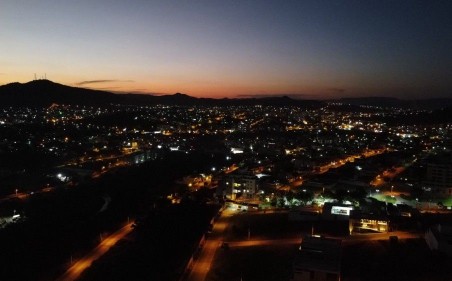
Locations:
(140, 157)
(439, 174)
(336, 211)
(439, 238)
(318, 259)
(197, 181)
(361, 222)
(239, 185)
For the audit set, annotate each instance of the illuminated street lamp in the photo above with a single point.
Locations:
(16, 191)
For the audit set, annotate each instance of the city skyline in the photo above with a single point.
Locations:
(308, 49)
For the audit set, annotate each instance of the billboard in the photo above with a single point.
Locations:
(341, 210)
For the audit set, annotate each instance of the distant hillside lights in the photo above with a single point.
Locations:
(406, 135)
(195, 182)
(130, 146)
(62, 177)
(347, 127)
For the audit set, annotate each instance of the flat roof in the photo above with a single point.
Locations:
(319, 254)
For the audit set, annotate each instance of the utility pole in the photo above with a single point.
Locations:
(249, 232)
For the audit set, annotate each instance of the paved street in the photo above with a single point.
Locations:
(80, 265)
(381, 236)
(202, 264)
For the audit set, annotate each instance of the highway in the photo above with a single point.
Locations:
(80, 265)
(201, 265)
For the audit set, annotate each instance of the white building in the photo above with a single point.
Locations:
(240, 184)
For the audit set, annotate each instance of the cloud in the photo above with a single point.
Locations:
(106, 88)
(139, 91)
(144, 92)
(100, 81)
(337, 90)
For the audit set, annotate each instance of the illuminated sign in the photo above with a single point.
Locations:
(236, 150)
(339, 210)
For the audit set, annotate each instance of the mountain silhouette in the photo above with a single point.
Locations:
(46, 92)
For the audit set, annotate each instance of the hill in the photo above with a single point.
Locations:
(46, 92)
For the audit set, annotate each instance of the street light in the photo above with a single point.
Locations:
(16, 191)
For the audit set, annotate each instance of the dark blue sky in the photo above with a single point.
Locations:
(314, 49)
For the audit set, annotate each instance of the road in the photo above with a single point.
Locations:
(80, 265)
(389, 174)
(265, 242)
(24, 195)
(336, 164)
(348, 239)
(381, 236)
(201, 265)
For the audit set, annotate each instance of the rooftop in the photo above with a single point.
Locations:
(319, 254)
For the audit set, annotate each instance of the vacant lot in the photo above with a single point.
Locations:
(363, 260)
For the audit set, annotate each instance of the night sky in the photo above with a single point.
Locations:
(310, 49)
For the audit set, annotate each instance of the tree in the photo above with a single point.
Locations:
(304, 196)
(290, 196)
(274, 201)
(281, 202)
(340, 195)
(357, 195)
